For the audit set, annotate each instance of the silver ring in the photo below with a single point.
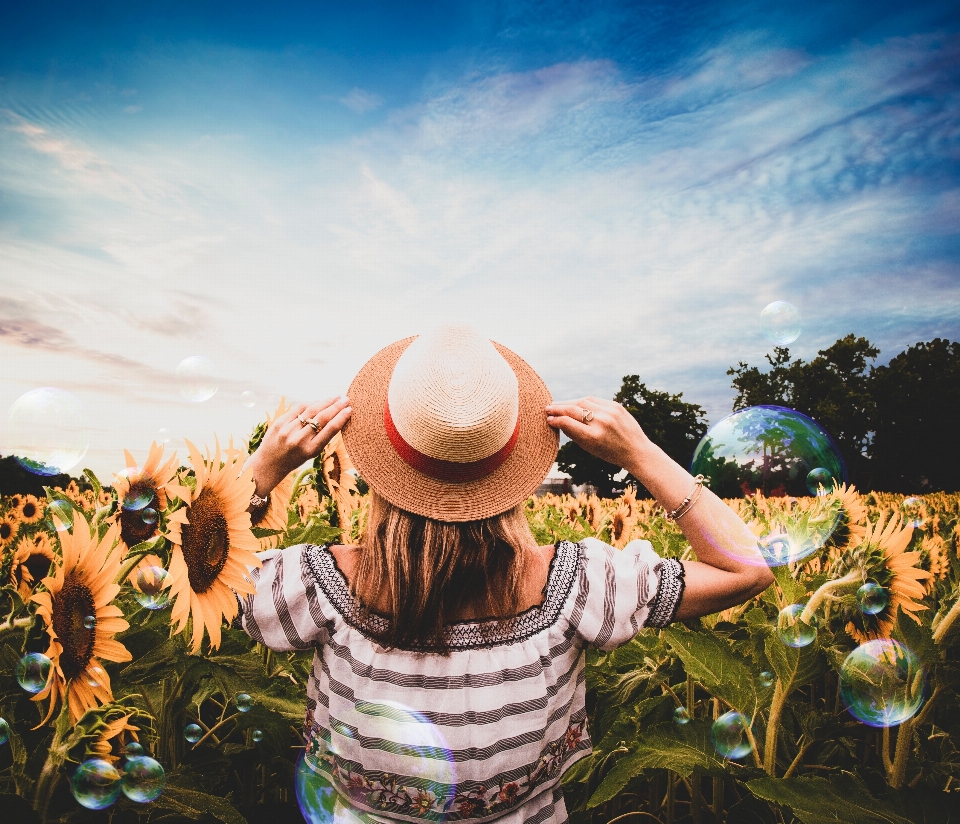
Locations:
(586, 415)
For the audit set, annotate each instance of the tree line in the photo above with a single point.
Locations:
(896, 425)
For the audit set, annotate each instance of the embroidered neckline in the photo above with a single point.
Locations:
(460, 635)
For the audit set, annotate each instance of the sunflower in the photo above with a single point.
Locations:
(621, 526)
(882, 557)
(31, 563)
(146, 488)
(30, 510)
(81, 587)
(338, 472)
(212, 546)
(851, 526)
(9, 527)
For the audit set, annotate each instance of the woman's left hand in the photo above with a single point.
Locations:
(289, 442)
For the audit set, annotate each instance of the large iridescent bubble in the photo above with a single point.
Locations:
(96, 784)
(882, 683)
(47, 431)
(781, 322)
(774, 450)
(730, 734)
(393, 738)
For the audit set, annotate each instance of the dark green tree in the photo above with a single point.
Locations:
(835, 389)
(917, 443)
(670, 422)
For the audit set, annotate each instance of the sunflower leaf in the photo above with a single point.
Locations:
(195, 804)
(816, 800)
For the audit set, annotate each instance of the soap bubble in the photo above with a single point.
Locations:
(138, 494)
(871, 598)
(4, 731)
(33, 671)
(820, 481)
(766, 679)
(59, 515)
(143, 779)
(681, 716)
(781, 322)
(197, 378)
(149, 515)
(47, 431)
(257, 736)
(913, 511)
(248, 399)
(772, 450)
(768, 449)
(244, 702)
(96, 784)
(882, 683)
(395, 729)
(164, 435)
(793, 631)
(192, 733)
(94, 676)
(729, 735)
(132, 749)
(319, 801)
(90, 622)
(149, 591)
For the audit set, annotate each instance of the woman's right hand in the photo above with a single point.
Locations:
(288, 443)
(611, 434)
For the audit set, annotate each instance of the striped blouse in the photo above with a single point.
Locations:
(482, 733)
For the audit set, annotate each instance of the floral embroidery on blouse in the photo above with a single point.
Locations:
(397, 794)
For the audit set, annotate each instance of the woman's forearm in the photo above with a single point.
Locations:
(717, 534)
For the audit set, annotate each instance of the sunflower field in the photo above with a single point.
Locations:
(126, 696)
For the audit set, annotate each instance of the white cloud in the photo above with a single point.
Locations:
(361, 102)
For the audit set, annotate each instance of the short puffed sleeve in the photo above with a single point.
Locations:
(620, 591)
(288, 611)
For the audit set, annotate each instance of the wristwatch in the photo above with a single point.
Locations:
(256, 501)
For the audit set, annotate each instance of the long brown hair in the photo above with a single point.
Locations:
(421, 574)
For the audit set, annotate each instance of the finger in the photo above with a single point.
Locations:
(573, 410)
(573, 428)
(324, 411)
(334, 425)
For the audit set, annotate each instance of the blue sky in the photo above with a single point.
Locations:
(607, 188)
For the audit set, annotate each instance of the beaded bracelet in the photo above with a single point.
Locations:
(687, 503)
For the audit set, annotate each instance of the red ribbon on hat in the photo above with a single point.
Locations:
(449, 471)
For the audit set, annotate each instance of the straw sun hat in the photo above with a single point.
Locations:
(450, 425)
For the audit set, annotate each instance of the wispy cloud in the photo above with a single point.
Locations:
(361, 102)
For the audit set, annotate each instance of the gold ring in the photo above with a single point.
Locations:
(303, 420)
(586, 415)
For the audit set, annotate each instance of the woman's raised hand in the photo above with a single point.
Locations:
(297, 436)
(603, 428)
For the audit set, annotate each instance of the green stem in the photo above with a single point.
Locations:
(50, 772)
(691, 704)
(773, 729)
(214, 728)
(796, 761)
(946, 622)
(901, 754)
(13, 624)
(854, 576)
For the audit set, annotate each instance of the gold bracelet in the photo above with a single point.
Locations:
(687, 503)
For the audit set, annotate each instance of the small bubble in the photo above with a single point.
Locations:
(164, 435)
(729, 735)
(132, 749)
(781, 322)
(681, 716)
(95, 784)
(149, 515)
(871, 598)
(248, 399)
(150, 592)
(793, 631)
(143, 779)
(766, 679)
(90, 622)
(244, 702)
(94, 676)
(4, 731)
(192, 733)
(257, 735)
(33, 671)
(913, 512)
(820, 481)
(197, 378)
(59, 515)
